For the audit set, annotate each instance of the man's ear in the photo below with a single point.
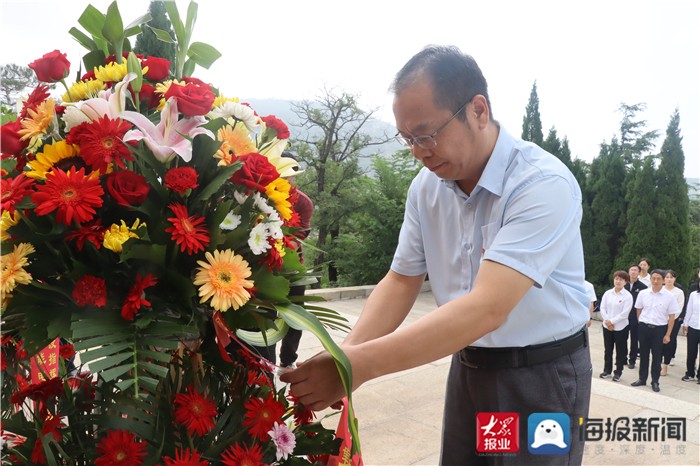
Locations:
(480, 110)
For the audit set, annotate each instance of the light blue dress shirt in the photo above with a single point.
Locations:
(525, 213)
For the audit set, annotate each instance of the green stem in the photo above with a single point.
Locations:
(136, 375)
(63, 81)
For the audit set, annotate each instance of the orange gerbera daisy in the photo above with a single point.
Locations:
(38, 121)
(235, 141)
(12, 271)
(223, 280)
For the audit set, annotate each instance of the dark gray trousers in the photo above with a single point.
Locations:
(559, 386)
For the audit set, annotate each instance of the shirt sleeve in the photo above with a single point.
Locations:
(604, 306)
(409, 258)
(541, 220)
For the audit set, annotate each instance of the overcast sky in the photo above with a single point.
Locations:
(587, 57)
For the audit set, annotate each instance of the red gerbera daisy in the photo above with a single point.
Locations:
(120, 448)
(302, 414)
(261, 416)
(185, 459)
(101, 142)
(241, 455)
(90, 291)
(93, 232)
(135, 298)
(73, 194)
(40, 392)
(38, 95)
(195, 412)
(66, 351)
(13, 190)
(186, 231)
(51, 426)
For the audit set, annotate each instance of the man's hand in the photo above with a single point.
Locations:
(316, 382)
(667, 339)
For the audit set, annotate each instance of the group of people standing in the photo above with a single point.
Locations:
(648, 308)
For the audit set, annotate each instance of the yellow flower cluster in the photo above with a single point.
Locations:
(117, 235)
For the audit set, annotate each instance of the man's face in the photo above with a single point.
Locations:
(457, 155)
(634, 273)
(657, 281)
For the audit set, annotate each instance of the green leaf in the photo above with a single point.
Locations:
(92, 20)
(271, 336)
(162, 35)
(270, 286)
(103, 351)
(175, 21)
(113, 373)
(203, 54)
(136, 24)
(214, 185)
(113, 28)
(133, 65)
(103, 365)
(83, 39)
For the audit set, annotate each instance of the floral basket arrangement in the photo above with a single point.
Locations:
(146, 247)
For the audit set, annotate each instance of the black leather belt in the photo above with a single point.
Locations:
(651, 325)
(513, 357)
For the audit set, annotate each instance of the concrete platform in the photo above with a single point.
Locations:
(400, 415)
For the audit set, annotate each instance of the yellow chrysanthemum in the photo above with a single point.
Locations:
(234, 141)
(50, 157)
(222, 278)
(7, 220)
(221, 100)
(84, 90)
(162, 88)
(37, 122)
(279, 245)
(111, 72)
(117, 235)
(12, 269)
(278, 192)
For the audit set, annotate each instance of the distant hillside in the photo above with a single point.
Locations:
(375, 128)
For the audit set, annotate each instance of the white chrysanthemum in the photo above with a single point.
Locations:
(240, 197)
(231, 222)
(262, 204)
(274, 229)
(257, 241)
(284, 439)
(238, 111)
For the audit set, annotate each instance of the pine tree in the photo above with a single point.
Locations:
(532, 125)
(673, 245)
(634, 141)
(147, 43)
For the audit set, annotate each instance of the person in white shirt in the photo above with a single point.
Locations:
(691, 328)
(592, 297)
(656, 311)
(669, 351)
(615, 306)
(644, 276)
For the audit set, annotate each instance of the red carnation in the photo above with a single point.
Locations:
(127, 187)
(181, 179)
(256, 172)
(93, 232)
(90, 291)
(52, 67)
(278, 125)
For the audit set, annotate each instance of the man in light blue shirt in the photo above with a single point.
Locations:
(494, 222)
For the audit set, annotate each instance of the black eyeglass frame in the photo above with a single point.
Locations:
(427, 142)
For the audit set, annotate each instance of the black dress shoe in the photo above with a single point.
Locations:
(638, 383)
(630, 365)
(655, 386)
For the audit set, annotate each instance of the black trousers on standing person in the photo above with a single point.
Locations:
(618, 341)
(693, 343)
(669, 351)
(634, 342)
(290, 342)
(651, 341)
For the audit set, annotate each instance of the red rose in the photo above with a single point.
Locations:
(52, 67)
(192, 99)
(281, 130)
(88, 76)
(149, 96)
(256, 172)
(191, 80)
(9, 138)
(181, 179)
(158, 68)
(127, 187)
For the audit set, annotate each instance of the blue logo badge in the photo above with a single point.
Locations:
(548, 433)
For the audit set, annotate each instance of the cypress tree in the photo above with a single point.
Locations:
(147, 43)
(642, 226)
(673, 245)
(532, 125)
(606, 225)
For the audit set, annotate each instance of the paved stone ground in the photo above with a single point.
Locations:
(400, 415)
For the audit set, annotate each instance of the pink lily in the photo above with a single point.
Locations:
(171, 136)
(110, 102)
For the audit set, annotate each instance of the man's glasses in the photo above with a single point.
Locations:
(427, 142)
